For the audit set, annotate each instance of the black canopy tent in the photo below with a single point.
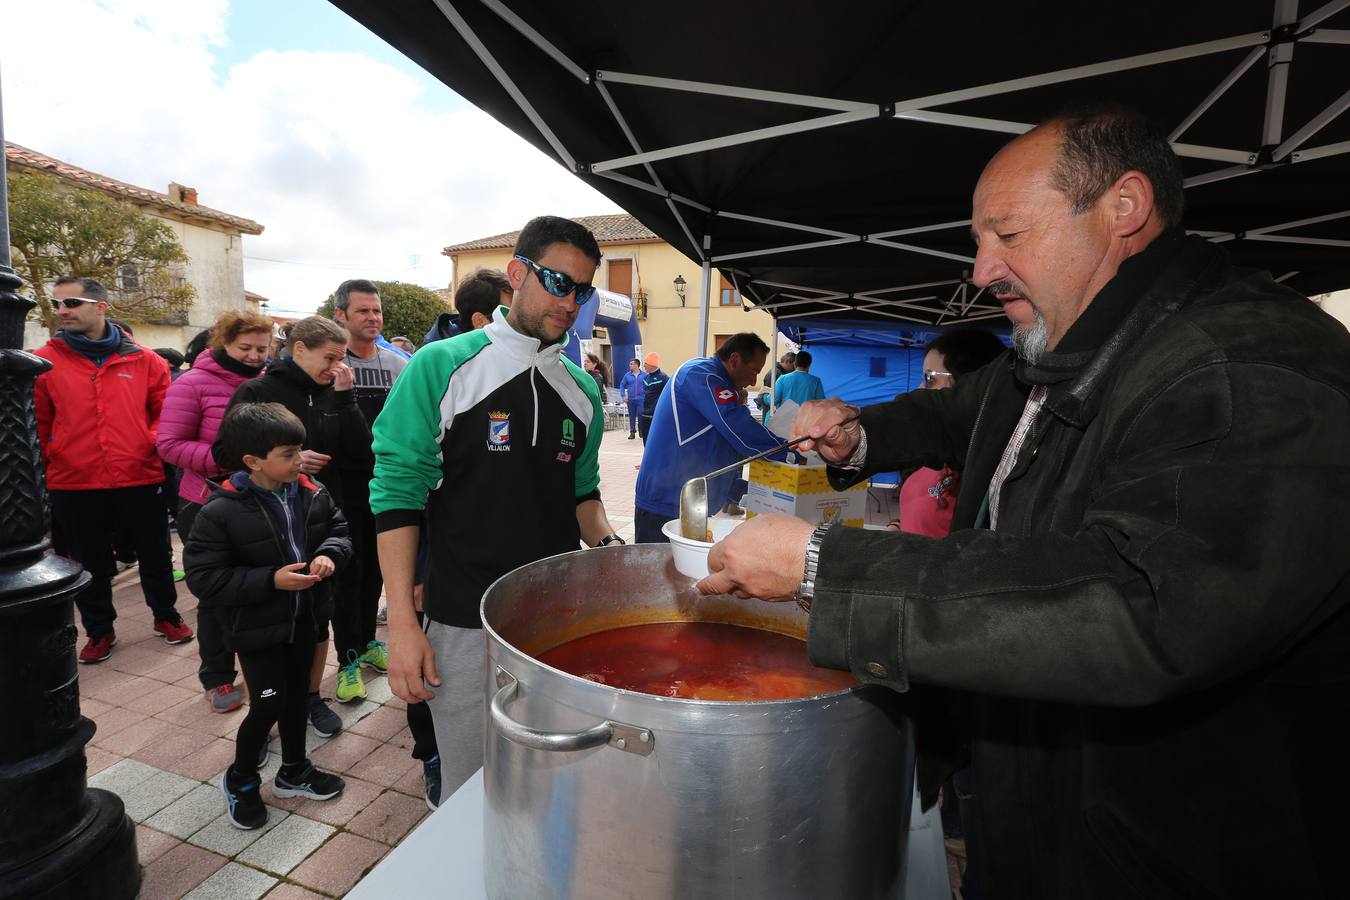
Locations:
(822, 156)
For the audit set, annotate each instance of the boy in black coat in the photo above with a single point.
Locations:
(259, 552)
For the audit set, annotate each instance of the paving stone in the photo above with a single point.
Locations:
(190, 813)
(171, 747)
(119, 690)
(286, 846)
(405, 737)
(338, 811)
(222, 837)
(139, 659)
(134, 737)
(351, 713)
(114, 719)
(385, 766)
(182, 672)
(151, 844)
(122, 776)
(233, 882)
(204, 762)
(382, 724)
(162, 697)
(177, 872)
(97, 760)
(412, 783)
(91, 707)
(339, 864)
(155, 793)
(389, 818)
(378, 691)
(343, 752)
(292, 892)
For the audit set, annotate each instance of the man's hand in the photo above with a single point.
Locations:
(411, 661)
(763, 558)
(819, 420)
(312, 461)
(321, 566)
(343, 378)
(290, 578)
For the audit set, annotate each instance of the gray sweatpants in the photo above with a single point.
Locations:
(457, 709)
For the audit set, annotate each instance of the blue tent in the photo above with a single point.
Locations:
(866, 362)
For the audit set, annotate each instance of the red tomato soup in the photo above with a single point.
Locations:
(698, 661)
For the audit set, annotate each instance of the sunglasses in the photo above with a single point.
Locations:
(559, 284)
(932, 375)
(72, 302)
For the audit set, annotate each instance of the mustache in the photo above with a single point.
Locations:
(1007, 286)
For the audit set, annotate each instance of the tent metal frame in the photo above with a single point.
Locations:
(1277, 44)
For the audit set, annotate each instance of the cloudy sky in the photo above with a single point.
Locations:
(287, 112)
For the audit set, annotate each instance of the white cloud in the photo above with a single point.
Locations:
(335, 153)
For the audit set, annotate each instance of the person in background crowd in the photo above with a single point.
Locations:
(602, 368)
(314, 383)
(404, 344)
(174, 359)
(699, 425)
(764, 399)
(97, 411)
(630, 386)
(188, 426)
(196, 346)
(798, 385)
(1139, 622)
(653, 380)
(496, 435)
(259, 555)
(356, 593)
(588, 363)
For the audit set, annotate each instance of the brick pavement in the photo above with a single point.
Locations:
(162, 750)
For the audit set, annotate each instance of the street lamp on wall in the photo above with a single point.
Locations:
(679, 288)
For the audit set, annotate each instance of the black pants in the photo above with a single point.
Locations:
(278, 686)
(644, 426)
(356, 594)
(420, 723)
(647, 527)
(87, 520)
(217, 660)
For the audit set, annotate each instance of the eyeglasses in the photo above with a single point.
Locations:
(559, 284)
(72, 302)
(932, 375)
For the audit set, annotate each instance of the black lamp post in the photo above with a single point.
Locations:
(679, 288)
(57, 837)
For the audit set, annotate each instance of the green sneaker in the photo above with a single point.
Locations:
(349, 684)
(375, 656)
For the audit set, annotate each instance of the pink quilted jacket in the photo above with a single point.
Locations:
(193, 408)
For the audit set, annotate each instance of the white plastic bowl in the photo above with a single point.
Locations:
(691, 557)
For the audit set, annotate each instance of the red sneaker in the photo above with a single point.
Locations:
(174, 631)
(98, 649)
(224, 698)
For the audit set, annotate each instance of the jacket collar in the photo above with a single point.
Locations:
(229, 485)
(504, 335)
(287, 370)
(1195, 268)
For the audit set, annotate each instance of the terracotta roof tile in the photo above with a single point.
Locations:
(31, 159)
(618, 228)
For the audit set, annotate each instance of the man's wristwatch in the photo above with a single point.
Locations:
(610, 538)
(806, 591)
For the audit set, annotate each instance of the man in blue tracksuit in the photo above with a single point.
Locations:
(700, 424)
(631, 388)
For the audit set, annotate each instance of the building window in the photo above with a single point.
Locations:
(729, 296)
(128, 278)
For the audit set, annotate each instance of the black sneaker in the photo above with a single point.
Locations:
(304, 780)
(326, 722)
(431, 777)
(243, 802)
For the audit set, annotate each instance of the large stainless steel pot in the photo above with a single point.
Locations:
(595, 792)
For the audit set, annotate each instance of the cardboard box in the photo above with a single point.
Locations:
(804, 492)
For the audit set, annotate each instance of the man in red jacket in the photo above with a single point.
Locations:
(97, 412)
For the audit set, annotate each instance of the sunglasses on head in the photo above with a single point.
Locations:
(559, 284)
(932, 375)
(72, 302)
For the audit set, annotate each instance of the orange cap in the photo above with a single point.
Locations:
(653, 360)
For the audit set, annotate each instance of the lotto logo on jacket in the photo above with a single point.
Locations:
(499, 431)
(724, 395)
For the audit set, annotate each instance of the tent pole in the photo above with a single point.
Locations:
(773, 360)
(705, 292)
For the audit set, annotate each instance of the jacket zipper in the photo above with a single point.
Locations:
(295, 595)
(534, 438)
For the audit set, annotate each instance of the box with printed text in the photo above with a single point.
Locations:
(804, 492)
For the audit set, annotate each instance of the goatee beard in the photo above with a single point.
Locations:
(1029, 341)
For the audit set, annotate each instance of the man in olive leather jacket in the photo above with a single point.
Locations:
(1138, 624)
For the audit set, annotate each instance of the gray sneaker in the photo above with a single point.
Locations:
(326, 722)
(224, 698)
(382, 617)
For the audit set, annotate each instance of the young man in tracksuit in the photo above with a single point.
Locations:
(497, 435)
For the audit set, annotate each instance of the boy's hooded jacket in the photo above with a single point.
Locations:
(238, 543)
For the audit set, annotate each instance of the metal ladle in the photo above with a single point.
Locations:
(694, 494)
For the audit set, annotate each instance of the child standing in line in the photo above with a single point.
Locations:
(260, 551)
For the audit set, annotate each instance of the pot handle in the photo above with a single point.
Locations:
(627, 738)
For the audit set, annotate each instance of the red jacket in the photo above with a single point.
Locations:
(97, 424)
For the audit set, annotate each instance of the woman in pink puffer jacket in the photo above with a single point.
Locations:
(188, 423)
